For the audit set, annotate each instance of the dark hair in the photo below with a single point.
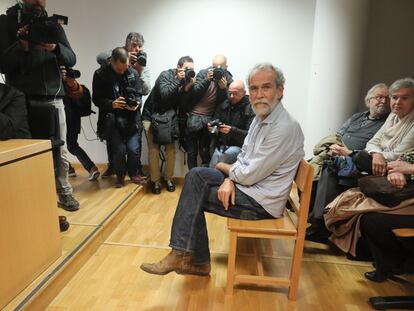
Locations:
(119, 54)
(135, 37)
(184, 59)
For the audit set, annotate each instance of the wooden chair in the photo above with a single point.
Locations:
(281, 228)
(395, 302)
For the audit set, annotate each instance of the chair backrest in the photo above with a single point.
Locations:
(303, 181)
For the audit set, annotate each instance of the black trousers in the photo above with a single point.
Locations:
(387, 250)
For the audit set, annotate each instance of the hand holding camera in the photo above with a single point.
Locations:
(138, 60)
(22, 33)
(119, 103)
(214, 126)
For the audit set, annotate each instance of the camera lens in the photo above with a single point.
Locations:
(218, 73)
(189, 74)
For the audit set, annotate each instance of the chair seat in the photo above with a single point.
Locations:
(279, 226)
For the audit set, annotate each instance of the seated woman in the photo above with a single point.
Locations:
(352, 216)
(394, 138)
(387, 251)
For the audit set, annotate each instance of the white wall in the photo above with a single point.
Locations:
(246, 32)
(336, 67)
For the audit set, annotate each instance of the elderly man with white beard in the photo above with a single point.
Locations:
(255, 187)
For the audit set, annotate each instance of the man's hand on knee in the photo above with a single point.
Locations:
(227, 193)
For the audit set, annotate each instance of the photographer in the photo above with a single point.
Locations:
(137, 59)
(233, 118)
(116, 92)
(170, 91)
(77, 104)
(31, 47)
(210, 89)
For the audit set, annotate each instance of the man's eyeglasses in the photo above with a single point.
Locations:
(379, 98)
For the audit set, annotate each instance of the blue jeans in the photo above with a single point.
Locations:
(125, 153)
(229, 156)
(199, 195)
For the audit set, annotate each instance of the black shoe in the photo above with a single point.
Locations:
(156, 188)
(63, 223)
(120, 181)
(317, 234)
(376, 276)
(108, 173)
(68, 202)
(170, 186)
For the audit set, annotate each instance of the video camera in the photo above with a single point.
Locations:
(218, 73)
(215, 124)
(131, 97)
(42, 29)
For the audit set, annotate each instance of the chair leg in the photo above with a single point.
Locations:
(231, 263)
(295, 268)
(258, 258)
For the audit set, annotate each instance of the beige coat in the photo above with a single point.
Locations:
(344, 214)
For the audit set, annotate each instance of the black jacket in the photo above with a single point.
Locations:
(73, 108)
(239, 116)
(13, 114)
(201, 86)
(34, 72)
(108, 86)
(166, 94)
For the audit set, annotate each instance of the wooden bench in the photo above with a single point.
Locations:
(282, 228)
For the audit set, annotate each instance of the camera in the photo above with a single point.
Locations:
(131, 97)
(141, 59)
(218, 73)
(72, 73)
(189, 74)
(215, 124)
(42, 29)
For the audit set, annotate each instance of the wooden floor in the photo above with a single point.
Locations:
(111, 278)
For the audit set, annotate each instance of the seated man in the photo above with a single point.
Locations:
(13, 114)
(394, 138)
(355, 132)
(235, 115)
(255, 187)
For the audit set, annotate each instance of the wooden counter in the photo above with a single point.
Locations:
(29, 228)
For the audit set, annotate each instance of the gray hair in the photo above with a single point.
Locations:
(371, 91)
(135, 37)
(280, 78)
(402, 84)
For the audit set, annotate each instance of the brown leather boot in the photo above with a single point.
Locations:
(174, 261)
(178, 261)
(202, 270)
